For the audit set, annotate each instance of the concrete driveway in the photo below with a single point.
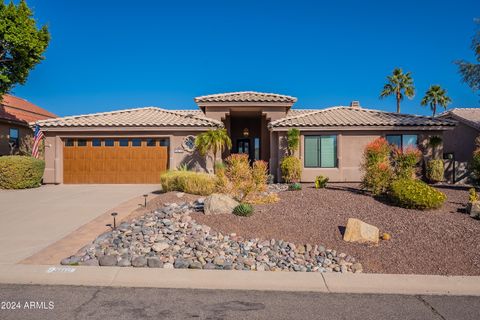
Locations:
(32, 219)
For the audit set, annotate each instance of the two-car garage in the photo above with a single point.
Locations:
(114, 160)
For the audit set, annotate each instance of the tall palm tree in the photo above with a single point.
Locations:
(436, 96)
(399, 84)
(214, 141)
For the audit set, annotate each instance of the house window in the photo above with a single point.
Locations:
(136, 142)
(320, 151)
(96, 143)
(256, 148)
(109, 143)
(81, 143)
(13, 137)
(123, 142)
(403, 141)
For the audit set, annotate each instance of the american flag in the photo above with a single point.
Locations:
(37, 139)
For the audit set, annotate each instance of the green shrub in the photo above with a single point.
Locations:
(295, 186)
(321, 182)
(188, 181)
(475, 164)
(20, 172)
(378, 171)
(415, 194)
(435, 170)
(405, 162)
(243, 209)
(472, 195)
(291, 169)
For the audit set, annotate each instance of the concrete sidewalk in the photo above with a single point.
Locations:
(240, 280)
(32, 219)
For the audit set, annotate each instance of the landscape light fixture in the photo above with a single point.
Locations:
(145, 197)
(109, 225)
(114, 214)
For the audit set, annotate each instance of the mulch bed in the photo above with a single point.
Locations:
(445, 241)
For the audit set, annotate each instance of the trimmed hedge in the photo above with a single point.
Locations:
(291, 168)
(20, 172)
(188, 181)
(415, 194)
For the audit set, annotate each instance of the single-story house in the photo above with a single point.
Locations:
(136, 145)
(15, 115)
(459, 144)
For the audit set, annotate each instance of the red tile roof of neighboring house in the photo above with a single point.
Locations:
(469, 116)
(19, 110)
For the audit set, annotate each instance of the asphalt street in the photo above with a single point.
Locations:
(71, 302)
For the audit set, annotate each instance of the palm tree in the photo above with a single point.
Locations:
(213, 141)
(436, 96)
(399, 84)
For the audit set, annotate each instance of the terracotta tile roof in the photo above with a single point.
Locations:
(246, 96)
(469, 116)
(351, 116)
(139, 117)
(16, 109)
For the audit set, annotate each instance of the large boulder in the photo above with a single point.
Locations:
(218, 203)
(361, 232)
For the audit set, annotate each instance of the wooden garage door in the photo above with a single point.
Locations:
(114, 160)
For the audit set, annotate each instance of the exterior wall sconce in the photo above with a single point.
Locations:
(246, 132)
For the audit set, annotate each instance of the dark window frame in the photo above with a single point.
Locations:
(83, 140)
(123, 139)
(133, 140)
(401, 138)
(319, 148)
(65, 142)
(96, 139)
(16, 140)
(105, 144)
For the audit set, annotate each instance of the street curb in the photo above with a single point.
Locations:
(240, 280)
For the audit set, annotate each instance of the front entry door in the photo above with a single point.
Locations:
(243, 146)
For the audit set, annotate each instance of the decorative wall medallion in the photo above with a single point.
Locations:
(189, 143)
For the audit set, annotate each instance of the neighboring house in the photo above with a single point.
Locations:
(15, 114)
(460, 142)
(135, 145)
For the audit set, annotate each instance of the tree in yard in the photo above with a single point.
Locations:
(293, 141)
(22, 44)
(470, 72)
(213, 141)
(436, 96)
(399, 84)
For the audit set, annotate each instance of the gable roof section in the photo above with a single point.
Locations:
(139, 117)
(469, 116)
(246, 96)
(19, 110)
(356, 117)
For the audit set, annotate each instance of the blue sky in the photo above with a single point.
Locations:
(107, 55)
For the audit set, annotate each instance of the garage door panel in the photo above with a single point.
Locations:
(114, 164)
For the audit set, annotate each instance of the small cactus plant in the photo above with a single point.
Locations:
(295, 186)
(243, 209)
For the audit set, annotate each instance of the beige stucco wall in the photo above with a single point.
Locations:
(177, 155)
(350, 146)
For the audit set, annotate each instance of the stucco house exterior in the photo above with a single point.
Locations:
(15, 115)
(135, 145)
(459, 143)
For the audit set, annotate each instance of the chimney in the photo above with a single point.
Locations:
(355, 104)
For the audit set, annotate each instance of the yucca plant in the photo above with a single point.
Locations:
(243, 209)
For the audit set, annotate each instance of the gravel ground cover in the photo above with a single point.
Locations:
(167, 237)
(445, 241)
